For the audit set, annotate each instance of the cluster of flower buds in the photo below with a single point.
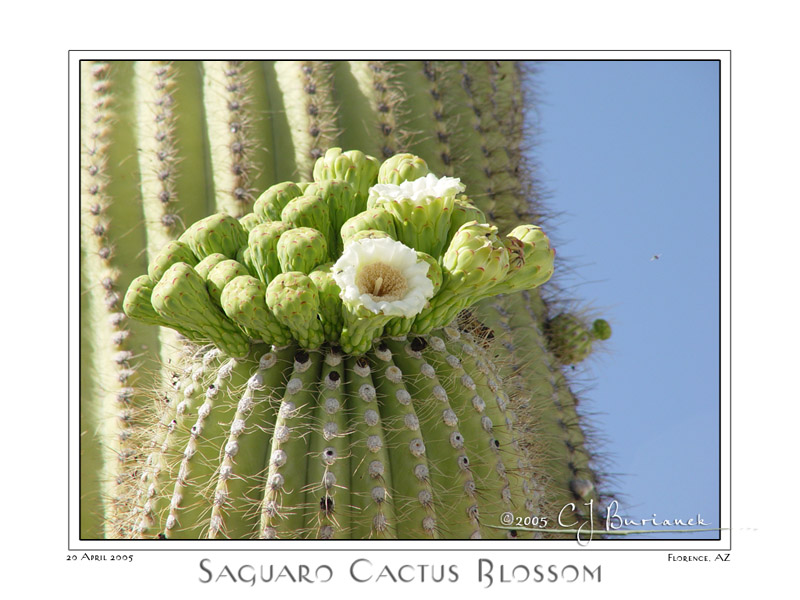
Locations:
(366, 250)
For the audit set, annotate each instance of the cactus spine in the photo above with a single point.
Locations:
(289, 114)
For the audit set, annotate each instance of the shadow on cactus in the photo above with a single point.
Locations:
(328, 391)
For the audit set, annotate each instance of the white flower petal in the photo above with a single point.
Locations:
(393, 254)
(423, 189)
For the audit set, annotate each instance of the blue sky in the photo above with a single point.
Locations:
(628, 151)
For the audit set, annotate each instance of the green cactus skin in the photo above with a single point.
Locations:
(398, 443)
(462, 118)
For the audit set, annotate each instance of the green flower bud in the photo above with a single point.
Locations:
(294, 300)
(244, 301)
(402, 167)
(309, 211)
(342, 202)
(353, 166)
(330, 304)
(568, 338)
(374, 219)
(217, 233)
(181, 298)
(601, 329)
(532, 260)
(463, 212)
(249, 221)
(475, 261)
(262, 246)
(301, 249)
(220, 275)
(172, 252)
(269, 205)
(204, 267)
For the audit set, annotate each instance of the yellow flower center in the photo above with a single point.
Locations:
(382, 282)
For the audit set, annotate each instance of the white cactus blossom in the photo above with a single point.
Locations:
(423, 189)
(384, 276)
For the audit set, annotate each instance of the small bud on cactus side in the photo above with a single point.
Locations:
(570, 339)
(315, 415)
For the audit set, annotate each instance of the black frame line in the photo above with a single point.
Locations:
(519, 547)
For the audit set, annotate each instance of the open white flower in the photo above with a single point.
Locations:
(384, 276)
(423, 189)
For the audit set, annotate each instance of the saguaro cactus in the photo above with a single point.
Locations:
(165, 145)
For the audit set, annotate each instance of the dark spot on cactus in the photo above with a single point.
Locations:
(307, 69)
(240, 194)
(93, 170)
(94, 189)
(163, 195)
(99, 230)
(234, 105)
(435, 93)
(316, 153)
(437, 115)
(212, 387)
(386, 129)
(160, 117)
(388, 152)
(314, 131)
(362, 362)
(163, 174)
(379, 87)
(382, 347)
(446, 158)
(231, 72)
(161, 536)
(169, 220)
(107, 283)
(313, 110)
(333, 376)
(512, 533)
(496, 443)
(235, 126)
(301, 357)
(237, 169)
(232, 87)
(418, 344)
(104, 252)
(161, 136)
(159, 86)
(310, 89)
(443, 137)
(326, 504)
(428, 71)
(237, 147)
(95, 209)
(383, 107)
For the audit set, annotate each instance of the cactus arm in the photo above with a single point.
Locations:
(282, 512)
(328, 489)
(370, 475)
